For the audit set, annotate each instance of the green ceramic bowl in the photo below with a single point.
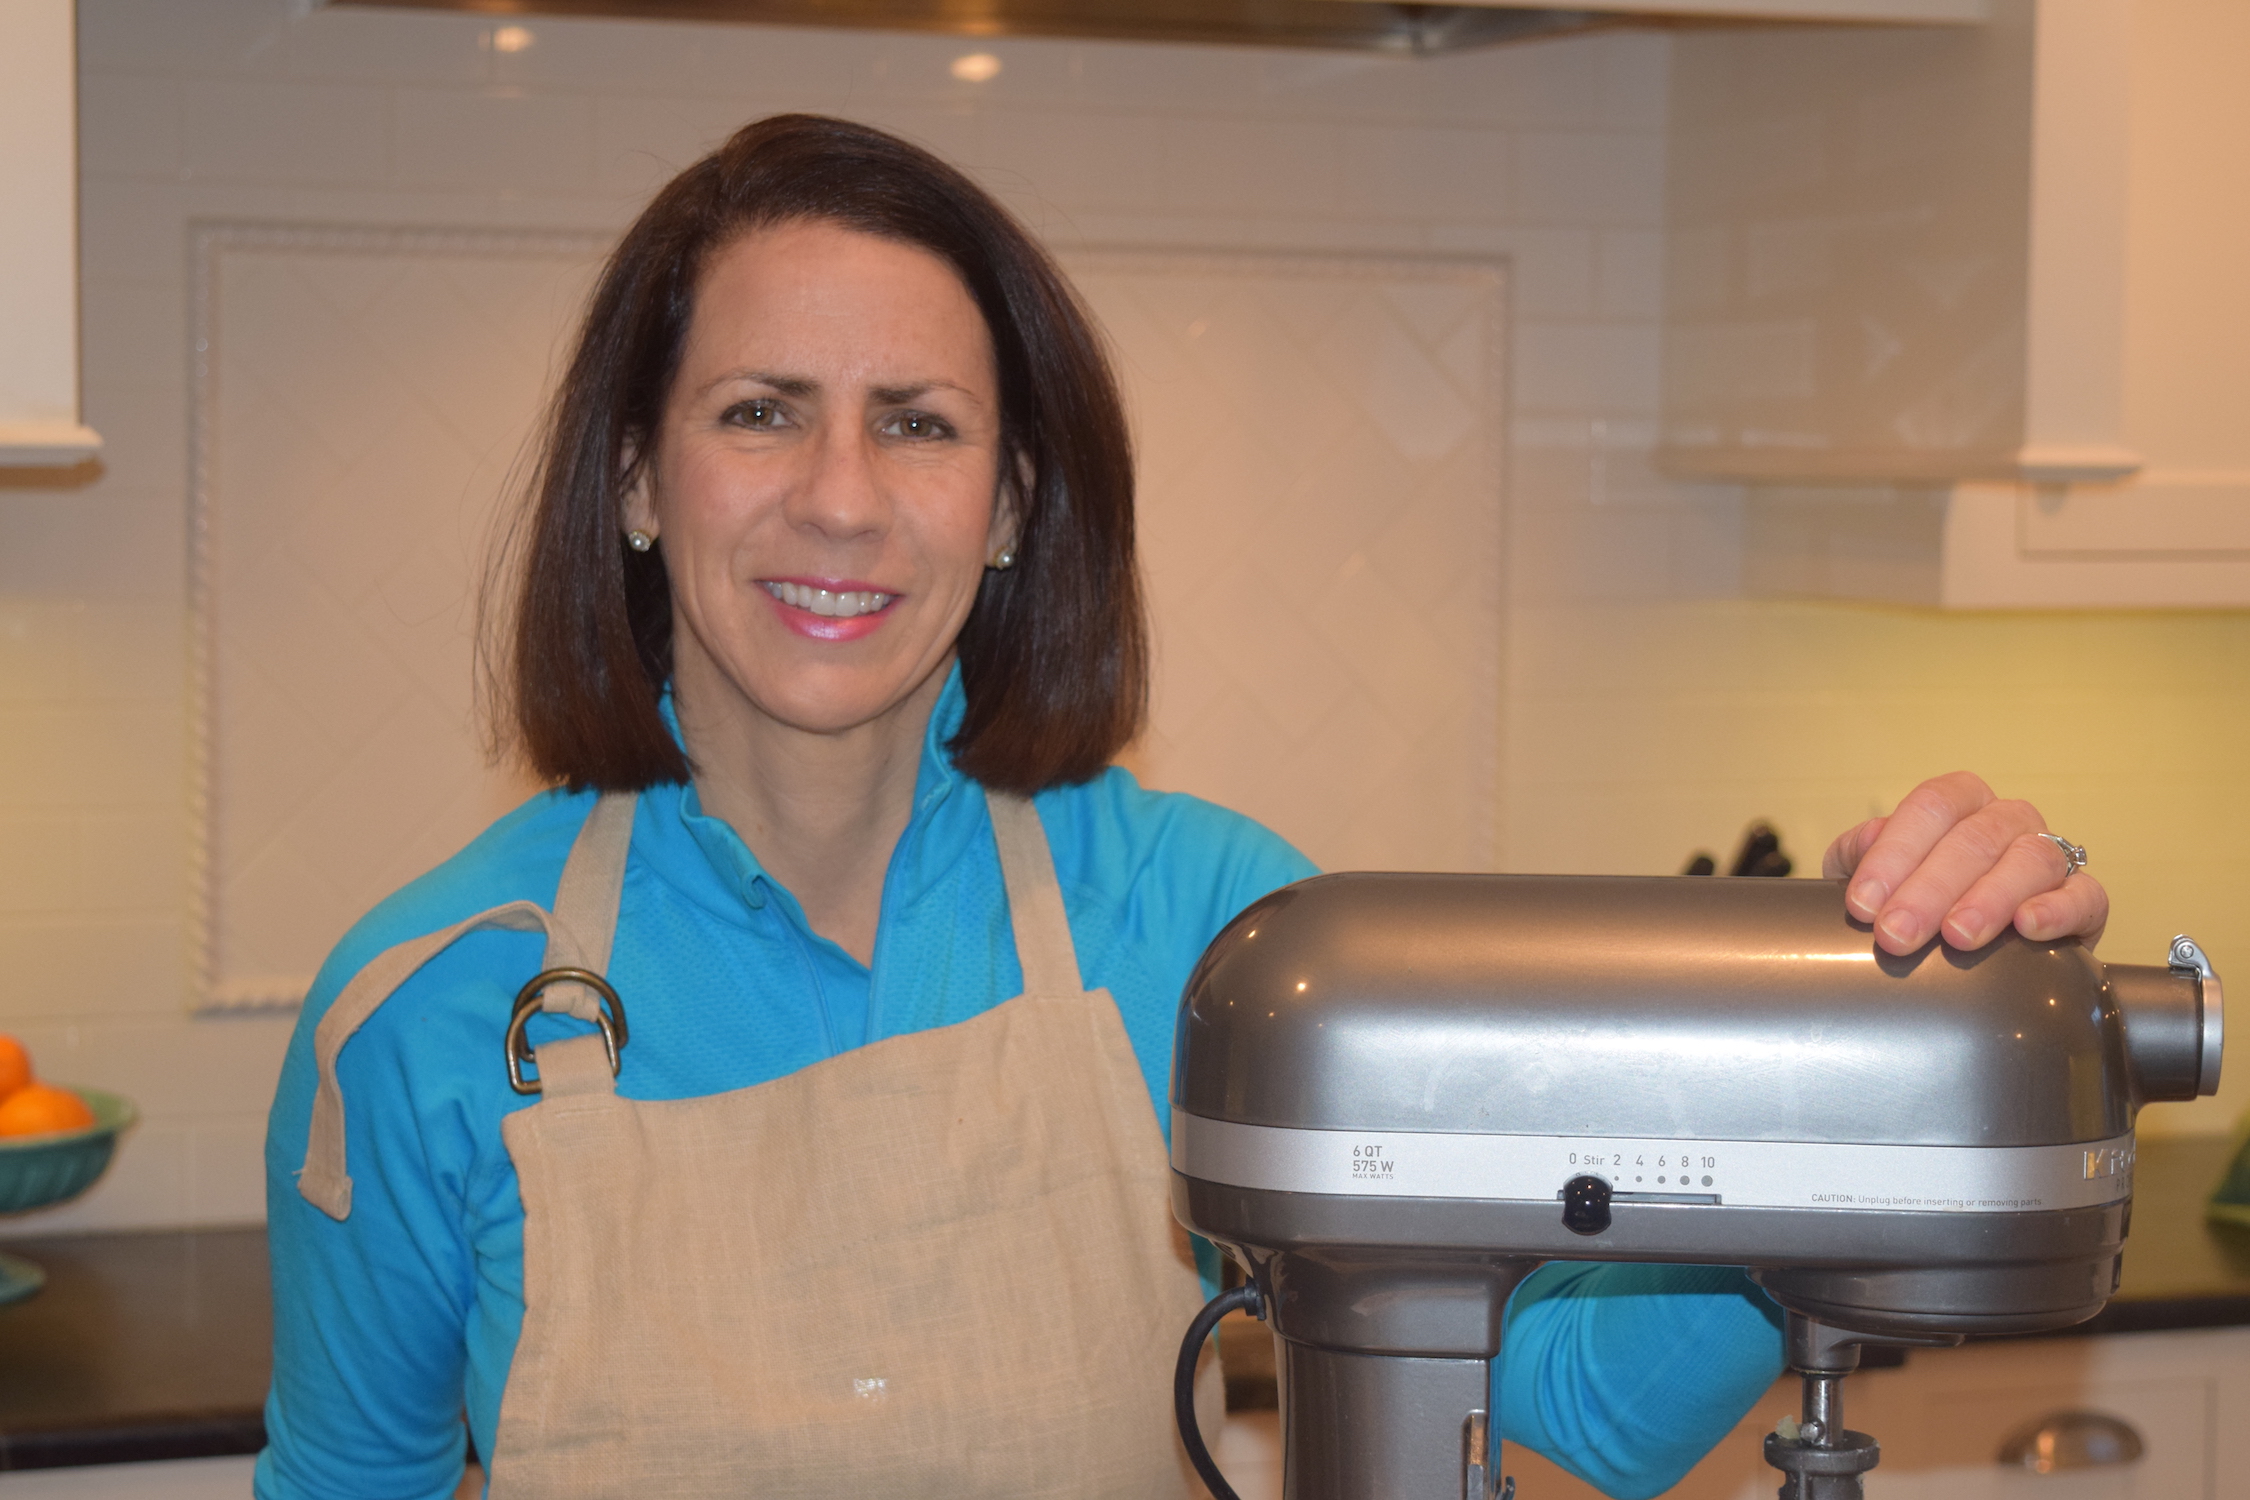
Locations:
(36, 1170)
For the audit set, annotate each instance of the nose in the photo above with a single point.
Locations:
(839, 491)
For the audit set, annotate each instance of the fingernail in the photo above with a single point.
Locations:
(1962, 927)
(1867, 894)
(1900, 929)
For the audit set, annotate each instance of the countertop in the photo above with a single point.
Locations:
(158, 1345)
(2181, 1270)
(141, 1346)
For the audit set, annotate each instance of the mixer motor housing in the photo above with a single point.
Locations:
(1394, 1096)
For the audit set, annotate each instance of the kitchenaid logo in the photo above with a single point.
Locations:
(2109, 1161)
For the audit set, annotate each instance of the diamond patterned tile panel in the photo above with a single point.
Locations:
(1320, 449)
(364, 402)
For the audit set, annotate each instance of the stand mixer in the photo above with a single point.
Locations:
(1394, 1096)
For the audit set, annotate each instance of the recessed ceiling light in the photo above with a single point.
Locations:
(976, 67)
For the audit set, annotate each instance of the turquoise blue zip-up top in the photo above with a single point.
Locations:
(392, 1323)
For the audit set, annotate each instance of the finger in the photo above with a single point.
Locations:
(2028, 867)
(2079, 908)
(1844, 855)
(1922, 818)
(1958, 860)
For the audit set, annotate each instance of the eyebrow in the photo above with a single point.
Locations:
(800, 385)
(787, 385)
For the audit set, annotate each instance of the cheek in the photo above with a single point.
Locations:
(709, 511)
(973, 545)
(956, 529)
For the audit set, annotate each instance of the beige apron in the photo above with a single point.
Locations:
(940, 1265)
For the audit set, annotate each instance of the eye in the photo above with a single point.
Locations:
(917, 425)
(760, 413)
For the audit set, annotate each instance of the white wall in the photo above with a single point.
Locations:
(1548, 155)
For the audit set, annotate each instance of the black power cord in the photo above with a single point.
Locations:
(1244, 1298)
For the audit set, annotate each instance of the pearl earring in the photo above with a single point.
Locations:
(639, 540)
(1004, 559)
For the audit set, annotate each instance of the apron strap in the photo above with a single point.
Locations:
(592, 883)
(1035, 905)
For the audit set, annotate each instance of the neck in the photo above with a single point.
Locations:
(822, 811)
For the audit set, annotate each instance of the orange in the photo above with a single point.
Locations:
(15, 1065)
(41, 1109)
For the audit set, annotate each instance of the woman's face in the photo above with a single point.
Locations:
(825, 480)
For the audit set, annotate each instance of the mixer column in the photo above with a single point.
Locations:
(1821, 1459)
(1823, 1408)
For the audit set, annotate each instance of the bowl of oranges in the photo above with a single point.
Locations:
(54, 1141)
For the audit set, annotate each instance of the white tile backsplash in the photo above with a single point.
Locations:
(50, 961)
(1544, 156)
(1399, 171)
(1600, 178)
(203, 37)
(642, 140)
(274, 130)
(226, 1167)
(133, 123)
(1252, 166)
(1124, 165)
(1609, 368)
(1629, 272)
(40, 875)
(368, 46)
(144, 431)
(533, 143)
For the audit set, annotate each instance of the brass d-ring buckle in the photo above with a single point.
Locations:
(610, 1018)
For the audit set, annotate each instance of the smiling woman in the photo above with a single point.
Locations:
(682, 1130)
(874, 251)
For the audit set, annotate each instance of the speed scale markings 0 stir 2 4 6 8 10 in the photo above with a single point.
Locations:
(1747, 1174)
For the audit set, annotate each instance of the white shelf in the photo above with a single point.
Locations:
(39, 413)
(46, 445)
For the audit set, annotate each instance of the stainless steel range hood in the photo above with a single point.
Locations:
(1363, 25)
(1356, 24)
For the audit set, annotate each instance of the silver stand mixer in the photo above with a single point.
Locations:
(1395, 1096)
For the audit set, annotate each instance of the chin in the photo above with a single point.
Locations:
(836, 707)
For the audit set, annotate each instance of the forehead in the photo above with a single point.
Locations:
(817, 299)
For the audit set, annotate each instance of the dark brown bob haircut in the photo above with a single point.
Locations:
(1054, 656)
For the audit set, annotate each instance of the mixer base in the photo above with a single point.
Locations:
(1814, 1472)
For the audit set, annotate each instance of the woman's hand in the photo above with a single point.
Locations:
(1955, 861)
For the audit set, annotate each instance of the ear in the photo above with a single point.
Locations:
(1009, 505)
(639, 509)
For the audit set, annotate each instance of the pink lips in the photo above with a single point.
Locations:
(831, 627)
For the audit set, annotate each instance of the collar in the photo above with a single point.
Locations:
(938, 831)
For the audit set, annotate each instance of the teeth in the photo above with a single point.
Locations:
(824, 602)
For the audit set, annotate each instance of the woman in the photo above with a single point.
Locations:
(828, 631)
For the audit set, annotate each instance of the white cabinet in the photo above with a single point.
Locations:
(1783, 10)
(39, 411)
(1962, 305)
(177, 1479)
(1942, 1417)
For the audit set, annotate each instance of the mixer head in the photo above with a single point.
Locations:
(1395, 1095)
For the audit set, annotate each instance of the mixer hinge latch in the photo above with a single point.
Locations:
(2187, 953)
(1480, 1467)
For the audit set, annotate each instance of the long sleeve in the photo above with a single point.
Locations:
(369, 1312)
(1626, 1375)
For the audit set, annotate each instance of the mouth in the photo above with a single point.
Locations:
(834, 604)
